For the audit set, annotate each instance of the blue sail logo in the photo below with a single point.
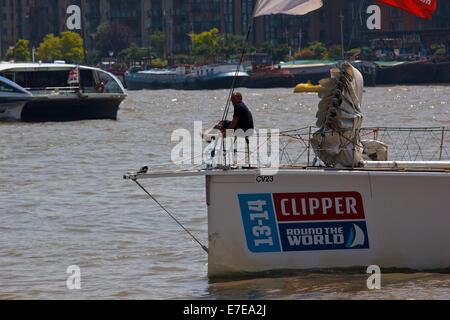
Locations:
(356, 237)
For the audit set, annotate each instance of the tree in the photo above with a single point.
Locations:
(305, 53)
(316, 50)
(319, 49)
(20, 52)
(234, 44)
(206, 43)
(113, 37)
(335, 52)
(136, 53)
(49, 49)
(68, 47)
(71, 47)
(158, 41)
(278, 53)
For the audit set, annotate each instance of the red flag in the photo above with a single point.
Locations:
(421, 8)
(73, 76)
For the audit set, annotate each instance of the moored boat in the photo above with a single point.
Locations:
(443, 71)
(65, 92)
(214, 76)
(269, 77)
(406, 72)
(369, 71)
(309, 70)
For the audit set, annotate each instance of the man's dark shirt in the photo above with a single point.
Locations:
(245, 117)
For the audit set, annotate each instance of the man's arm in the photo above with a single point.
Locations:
(234, 123)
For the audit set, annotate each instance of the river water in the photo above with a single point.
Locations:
(63, 202)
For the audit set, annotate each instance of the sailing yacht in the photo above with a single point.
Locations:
(350, 207)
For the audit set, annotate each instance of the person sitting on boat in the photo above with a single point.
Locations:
(242, 122)
(242, 117)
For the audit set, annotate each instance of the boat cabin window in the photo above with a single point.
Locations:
(44, 80)
(87, 79)
(109, 83)
(40, 80)
(7, 88)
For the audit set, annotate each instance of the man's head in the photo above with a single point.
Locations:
(236, 98)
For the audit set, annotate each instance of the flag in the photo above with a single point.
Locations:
(292, 7)
(73, 76)
(421, 8)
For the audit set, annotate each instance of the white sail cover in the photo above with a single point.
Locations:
(337, 143)
(292, 7)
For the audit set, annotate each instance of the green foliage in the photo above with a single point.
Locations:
(335, 52)
(440, 52)
(438, 49)
(20, 52)
(232, 45)
(68, 47)
(159, 63)
(92, 57)
(355, 51)
(319, 49)
(158, 41)
(113, 37)
(279, 53)
(49, 49)
(10, 53)
(184, 59)
(136, 53)
(304, 54)
(206, 43)
(72, 47)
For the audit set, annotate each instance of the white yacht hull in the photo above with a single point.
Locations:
(308, 219)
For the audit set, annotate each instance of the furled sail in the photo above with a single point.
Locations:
(291, 7)
(337, 143)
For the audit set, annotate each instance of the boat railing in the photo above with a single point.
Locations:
(65, 90)
(404, 144)
(413, 144)
(53, 90)
(71, 88)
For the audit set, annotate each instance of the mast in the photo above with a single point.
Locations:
(341, 16)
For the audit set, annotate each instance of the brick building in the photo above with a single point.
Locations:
(33, 19)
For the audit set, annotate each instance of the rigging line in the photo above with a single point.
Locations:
(238, 68)
(355, 22)
(171, 215)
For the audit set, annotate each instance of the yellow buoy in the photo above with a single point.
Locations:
(307, 87)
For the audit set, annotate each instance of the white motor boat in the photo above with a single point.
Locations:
(12, 99)
(63, 92)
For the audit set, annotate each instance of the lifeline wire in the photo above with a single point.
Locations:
(171, 215)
